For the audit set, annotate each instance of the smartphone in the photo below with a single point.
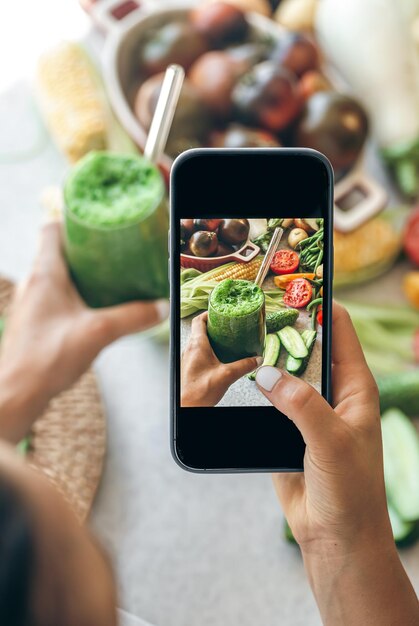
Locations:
(226, 206)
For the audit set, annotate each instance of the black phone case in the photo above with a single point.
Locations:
(327, 304)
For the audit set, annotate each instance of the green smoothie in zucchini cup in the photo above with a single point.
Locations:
(236, 320)
(116, 225)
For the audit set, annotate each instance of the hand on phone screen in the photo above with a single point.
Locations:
(204, 379)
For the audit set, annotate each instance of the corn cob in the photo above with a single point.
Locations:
(72, 100)
(239, 271)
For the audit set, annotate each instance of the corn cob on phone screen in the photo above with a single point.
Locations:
(253, 288)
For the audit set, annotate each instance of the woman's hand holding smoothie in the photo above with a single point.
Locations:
(52, 337)
(205, 379)
(337, 509)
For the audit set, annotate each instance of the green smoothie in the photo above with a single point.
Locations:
(236, 320)
(116, 224)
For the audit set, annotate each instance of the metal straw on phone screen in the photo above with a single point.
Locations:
(164, 113)
(273, 246)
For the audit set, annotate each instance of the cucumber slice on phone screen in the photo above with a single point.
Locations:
(401, 464)
(299, 366)
(293, 342)
(271, 352)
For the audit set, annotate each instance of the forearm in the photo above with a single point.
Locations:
(22, 401)
(367, 586)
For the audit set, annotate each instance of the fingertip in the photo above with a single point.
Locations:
(267, 377)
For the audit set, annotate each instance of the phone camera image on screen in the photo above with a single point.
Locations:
(277, 316)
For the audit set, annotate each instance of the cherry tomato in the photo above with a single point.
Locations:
(298, 293)
(285, 262)
(411, 237)
(319, 315)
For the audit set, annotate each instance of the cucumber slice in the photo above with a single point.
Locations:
(293, 366)
(271, 352)
(299, 366)
(293, 342)
(401, 463)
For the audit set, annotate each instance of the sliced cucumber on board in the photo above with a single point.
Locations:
(401, 464)
(293, 342)
(271, 353)
(299, 366)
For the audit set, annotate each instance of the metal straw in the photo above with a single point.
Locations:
(163, 115)
(263, 270)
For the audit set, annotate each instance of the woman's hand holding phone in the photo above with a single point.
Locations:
(337, 509)
(204, 379)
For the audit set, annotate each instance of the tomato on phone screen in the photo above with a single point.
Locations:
(319, 315)
(285, 262)
(298, 293)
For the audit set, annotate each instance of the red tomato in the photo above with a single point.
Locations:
(319, 315)
(411, 237)
(298, 293)
(285, 262)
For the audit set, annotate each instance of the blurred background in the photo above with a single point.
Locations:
(341, 77)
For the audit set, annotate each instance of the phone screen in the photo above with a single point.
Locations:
(227, 305)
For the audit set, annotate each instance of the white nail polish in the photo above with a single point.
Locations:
(163, 308)
(267, 377)
(259, 360)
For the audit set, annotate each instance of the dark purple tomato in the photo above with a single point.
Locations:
(203, 243)
(220, 23)
(334, 124)
(175, 42)
(267, 96)
(206, 224)
(234, 231)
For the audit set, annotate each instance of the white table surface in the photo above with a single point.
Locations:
(189, 550)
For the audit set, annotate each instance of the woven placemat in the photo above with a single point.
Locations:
(68, 441)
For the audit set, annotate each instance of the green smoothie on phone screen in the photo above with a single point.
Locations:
(116, 225)
(236, 320)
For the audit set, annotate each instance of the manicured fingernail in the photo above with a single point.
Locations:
(259, 360)
(267, 377)
(163, 308)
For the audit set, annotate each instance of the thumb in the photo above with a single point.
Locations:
(299, 401)
(237, 369)
(116, 321)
